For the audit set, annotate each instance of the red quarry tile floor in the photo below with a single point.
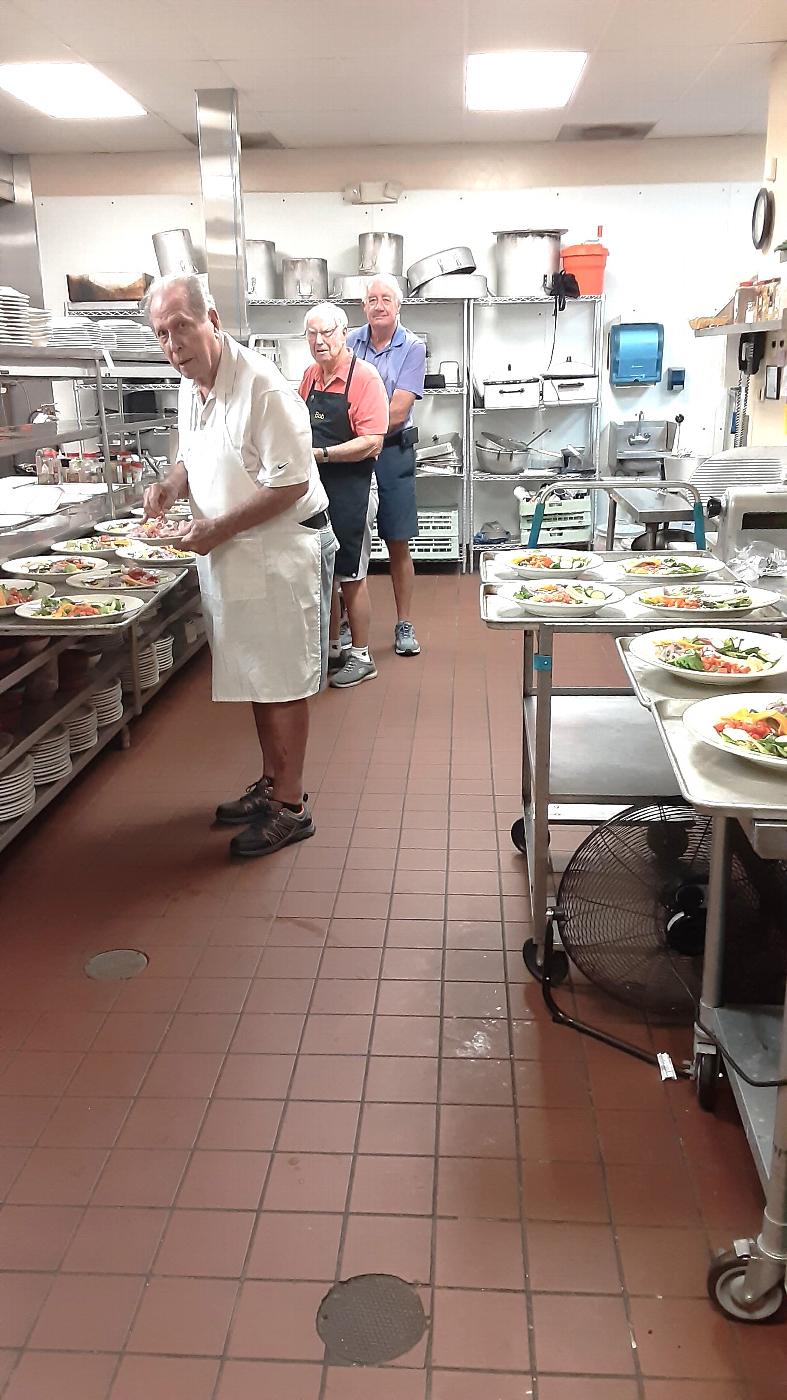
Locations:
(336, 1063)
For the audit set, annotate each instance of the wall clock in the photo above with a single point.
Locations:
(762, 218)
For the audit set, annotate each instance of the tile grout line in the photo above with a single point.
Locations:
(325, 1377)
(523, 1220)
(429, 1357)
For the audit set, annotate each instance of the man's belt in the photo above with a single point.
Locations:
(320, 521)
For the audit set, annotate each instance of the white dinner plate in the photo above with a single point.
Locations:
(645, 648)
(127, 525)
(722, 595)
(92, 547)
(570, 562)
(700, 719)
(673, 568)
(140, 552)
(608, 594)
(26, 585)
(131, 604)
(113, 581)
(41, 566)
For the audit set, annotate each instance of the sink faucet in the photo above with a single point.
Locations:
(638, 436)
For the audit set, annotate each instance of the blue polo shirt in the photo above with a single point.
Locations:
(401, 364)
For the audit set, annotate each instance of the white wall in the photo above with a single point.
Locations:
(675, 251)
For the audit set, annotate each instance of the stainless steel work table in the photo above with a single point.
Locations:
(730, 789)
(648, 507)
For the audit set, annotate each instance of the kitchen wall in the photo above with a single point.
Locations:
(675, 251)
(768, 416)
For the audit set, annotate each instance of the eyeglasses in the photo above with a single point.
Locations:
(321, 335)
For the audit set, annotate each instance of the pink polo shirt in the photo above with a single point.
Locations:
(368, 401)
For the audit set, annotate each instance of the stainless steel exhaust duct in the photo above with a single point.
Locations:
(222, 202)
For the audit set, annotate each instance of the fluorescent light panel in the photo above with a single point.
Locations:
(73, 91)
(521, 80)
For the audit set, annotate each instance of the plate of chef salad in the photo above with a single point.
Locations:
(141, 551)
(669, 566)
(76, 609)
(752, 726)
(102, 546)
(55, 566)
(16, 591)
(710, 600)
(561, 596)
(533, 563)
(711, 655)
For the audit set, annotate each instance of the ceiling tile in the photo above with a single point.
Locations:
(27, 41)
(616, 88)
(643, 24)
(766, 23)
(25, 132)
(512, 24)
(730, 96)
(100, 29)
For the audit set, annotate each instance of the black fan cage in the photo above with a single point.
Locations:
(632, 900)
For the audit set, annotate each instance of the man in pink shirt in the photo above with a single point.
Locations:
(348, 409)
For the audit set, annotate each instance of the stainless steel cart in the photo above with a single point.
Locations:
(571, 774)
(748, 1281)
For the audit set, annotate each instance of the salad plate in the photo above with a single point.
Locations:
(708, 600)
(746, 725)
(141, 551)
(712, 656)
(55, 566)
(76, 610)
(561, 597)
(133, 577)
(16, 591)
(535, 563)
(667, 568)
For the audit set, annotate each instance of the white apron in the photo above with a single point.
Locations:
(260, 590)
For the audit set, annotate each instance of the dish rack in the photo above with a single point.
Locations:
(438, 537)
(565, 521)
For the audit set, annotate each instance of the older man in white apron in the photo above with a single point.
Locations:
(265, 547)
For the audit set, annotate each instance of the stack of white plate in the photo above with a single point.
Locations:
(148, 671)
(52, 757)
(17, 790)
(124, 336)
(74, 333)
(108, 704)
(83, 729)
(14, 316)
(164, 649)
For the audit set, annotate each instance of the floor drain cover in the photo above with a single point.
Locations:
(370, 1319)
(117, 965)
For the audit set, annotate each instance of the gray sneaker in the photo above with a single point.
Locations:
(353, 672)
(405, 641)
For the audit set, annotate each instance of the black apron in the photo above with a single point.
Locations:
(348, 484)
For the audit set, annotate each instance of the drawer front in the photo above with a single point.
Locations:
(513, 395)
(571, 390)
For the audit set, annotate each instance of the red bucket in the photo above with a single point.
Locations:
(587, 261)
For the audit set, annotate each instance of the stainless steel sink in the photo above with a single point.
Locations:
(640, 438)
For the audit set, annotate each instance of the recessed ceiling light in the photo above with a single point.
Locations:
(69, 90)
(521, 80)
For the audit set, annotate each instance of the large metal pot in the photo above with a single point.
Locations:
(380, 252)
(525, 258)
(500, 461)
(261, 269)
(457, 286)
(174, 251)
(438, 264)
(349, 288)
(304, 279)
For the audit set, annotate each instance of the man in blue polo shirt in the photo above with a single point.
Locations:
(400, 359)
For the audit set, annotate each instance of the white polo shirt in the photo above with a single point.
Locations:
(267, 422)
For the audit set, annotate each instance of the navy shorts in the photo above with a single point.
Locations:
(397, 517)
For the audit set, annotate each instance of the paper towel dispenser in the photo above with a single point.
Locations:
(636, 353)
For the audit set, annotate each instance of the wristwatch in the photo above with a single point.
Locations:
(325, 454)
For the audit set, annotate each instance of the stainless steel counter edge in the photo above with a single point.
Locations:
(77, 519)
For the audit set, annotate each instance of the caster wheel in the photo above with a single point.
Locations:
(725, 1279)
(518, 835)
(707, 1078)
(558, 971)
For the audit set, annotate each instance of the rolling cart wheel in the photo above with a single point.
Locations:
(725, 1277)
(707, 1079)
(558, 971)
(518, 835)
